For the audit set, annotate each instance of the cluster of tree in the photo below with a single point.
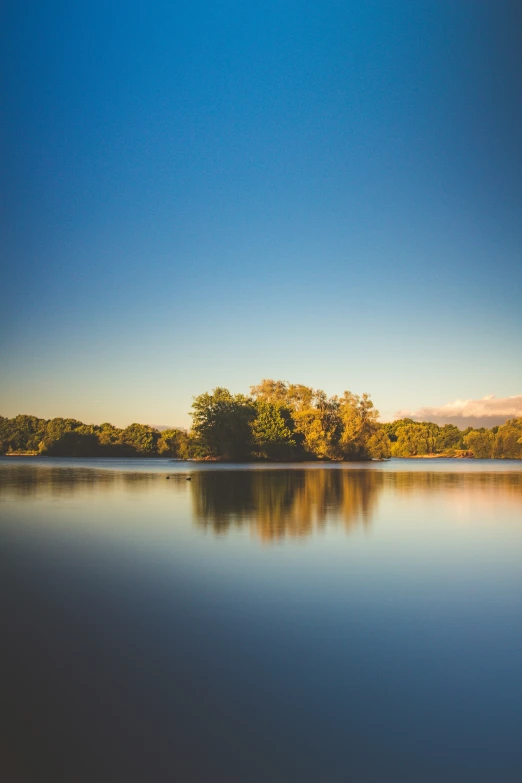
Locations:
(277, 421)
(284, 421)
(71, 438)
(410, 438)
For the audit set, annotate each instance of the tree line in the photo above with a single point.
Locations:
(278, 421)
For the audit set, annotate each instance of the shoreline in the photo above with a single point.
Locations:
(154, 458)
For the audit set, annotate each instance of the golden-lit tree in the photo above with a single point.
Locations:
(359, 422)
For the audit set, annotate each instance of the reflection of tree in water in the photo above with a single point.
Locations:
(481, 487)
(283, 503)
(279, 503)
(33, 481)
(275, 503)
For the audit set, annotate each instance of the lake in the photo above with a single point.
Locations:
(341, 622)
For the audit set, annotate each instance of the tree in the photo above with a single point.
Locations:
(427, 436)
(508, 440)
(141, 438)
(316, 424)
(449, 438)
(273, 431)
(317, 418)
(359, 423)
(23, 433)
(392, 428)
(174, 443)
(415, 439)
(480, 443)
(407, 443)
(271, 391)
(56, 442)
(221, 423)
(71, 443)
(295, 396)
(108, 434)
(378, 445)
(302, 398)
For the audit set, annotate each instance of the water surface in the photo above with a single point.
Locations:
(274, 623)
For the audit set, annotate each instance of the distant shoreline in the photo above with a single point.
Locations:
(279, 422)
(258, 461)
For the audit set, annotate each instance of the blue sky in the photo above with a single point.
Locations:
(203, 194)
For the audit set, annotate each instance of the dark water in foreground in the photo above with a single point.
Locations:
(343, 623)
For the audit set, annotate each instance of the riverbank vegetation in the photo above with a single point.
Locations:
(278, 421)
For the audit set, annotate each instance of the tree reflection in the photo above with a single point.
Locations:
(283, 503)
(275, 504)
(295, 503)
(66, 481)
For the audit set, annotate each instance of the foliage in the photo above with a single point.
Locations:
(508, 440)
(392, 428)
(449, 437)
(413, 439)
(221, 424)
(359, 424)
(480, 443)
(280, 421)
(273, 432)
(174, 443)
(317, 419)
(70, 443)
(271, 391)
(140, 438)
(378, 445)
(22, 433)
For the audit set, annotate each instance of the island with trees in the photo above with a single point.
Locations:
(278, 421)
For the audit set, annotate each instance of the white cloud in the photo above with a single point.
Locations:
(489, 410)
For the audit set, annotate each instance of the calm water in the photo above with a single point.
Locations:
(284, 623)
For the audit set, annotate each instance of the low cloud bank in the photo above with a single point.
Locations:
(485, 412)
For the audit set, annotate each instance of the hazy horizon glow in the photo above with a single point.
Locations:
(205, 196)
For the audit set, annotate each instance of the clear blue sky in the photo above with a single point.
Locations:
(203, 194)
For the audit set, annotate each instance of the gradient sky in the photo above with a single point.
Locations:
(203, 194)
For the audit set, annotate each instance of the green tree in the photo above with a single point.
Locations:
(508, 440)
(427, 436)
(415, 439)
(273, 432)
(480, 443)
(407, 443)
(378, 445)
(53, 442)
(221, 424)
(174, 443)
(449, 438)
(141, 438)
(392, 427)
(22, 433)
(112, 442)
(71, 443)
(317, 426)
(109, 435)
